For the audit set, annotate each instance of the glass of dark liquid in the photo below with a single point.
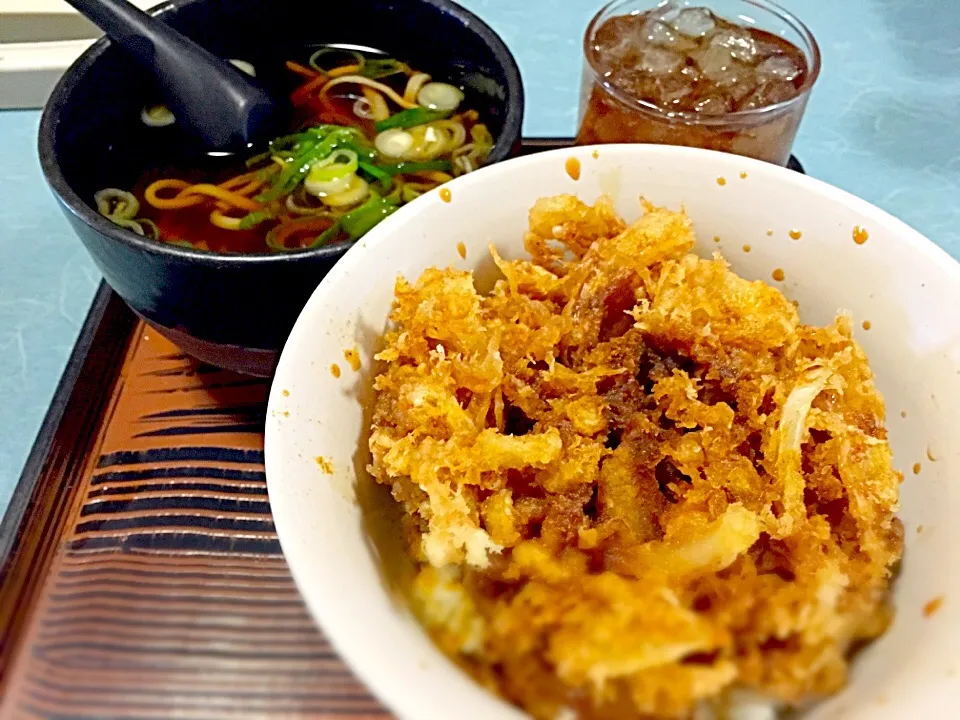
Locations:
(730, 75)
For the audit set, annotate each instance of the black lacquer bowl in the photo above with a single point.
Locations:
(231, 310)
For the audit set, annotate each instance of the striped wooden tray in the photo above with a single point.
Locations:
(141, 573)
(145, 579)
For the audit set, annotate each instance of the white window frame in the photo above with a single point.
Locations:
(32, 56)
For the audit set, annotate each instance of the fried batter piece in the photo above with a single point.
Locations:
(634, 483)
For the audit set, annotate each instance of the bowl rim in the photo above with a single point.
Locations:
(81, 210)
(342, 637)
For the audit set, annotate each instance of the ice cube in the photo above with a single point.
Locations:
(738, 42)
(712, 105)
(634, 83)
(672, 89)
(739, 82)
(736, 91)
(715, 62)
(694, 22)
(770, 93)
(624, 51)
(766, 48)
(781, 67)
(691, 73)
(657, 32)
(658, 61)
(667, 11)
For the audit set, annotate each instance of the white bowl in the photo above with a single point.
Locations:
(906, 287)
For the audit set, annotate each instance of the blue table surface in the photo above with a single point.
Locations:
(882, 123)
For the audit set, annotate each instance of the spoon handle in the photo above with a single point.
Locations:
(224, 106)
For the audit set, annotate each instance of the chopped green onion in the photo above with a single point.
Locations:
(440, 96)
(126, 223)
(299, 206)
(264, 173)
(396, 195)
(270, 239)
(481, 135)
(364, 152)
(292, 175)
(326, 129)
(116, 204)
(349, 193)
(141, 226)
(348, 137)
(277, 237)
(325, 188)
(244, 66)
(393, 142)
(410, 118)
(363, 109)
(409, 194)
(381, 67)
(337, 164)
(255, 218)
(382, 177)
(326, 236)
(313, 62)
(157, 116)
(319, 151)
(148, 224)
(287, 142)
(463, 164)
(319, 143)
(414, 167)
(257, 159)
(358, 222)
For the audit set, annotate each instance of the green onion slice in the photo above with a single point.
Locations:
(381, 177)
(414, 167)
(359, 221)
(314, 60)
(440, 96)
(116, 204)
(338, 164)
(382, 67)
(411, 118)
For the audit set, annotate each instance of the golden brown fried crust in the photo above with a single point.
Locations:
(634, 482)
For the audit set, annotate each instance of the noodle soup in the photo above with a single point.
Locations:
(369, 134)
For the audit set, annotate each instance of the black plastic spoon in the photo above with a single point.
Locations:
(225, 108)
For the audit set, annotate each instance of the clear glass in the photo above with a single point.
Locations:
(609, 115)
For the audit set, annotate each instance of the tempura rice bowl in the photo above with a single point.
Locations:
(904, 288)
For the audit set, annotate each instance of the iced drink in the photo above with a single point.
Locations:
(689, 75)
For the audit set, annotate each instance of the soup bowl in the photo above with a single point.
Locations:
(334, 524)
(235, 310)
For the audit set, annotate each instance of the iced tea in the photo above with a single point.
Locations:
(682, 74)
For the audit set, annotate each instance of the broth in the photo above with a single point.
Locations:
(368, 133)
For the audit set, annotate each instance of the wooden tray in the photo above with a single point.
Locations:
(141, 573)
